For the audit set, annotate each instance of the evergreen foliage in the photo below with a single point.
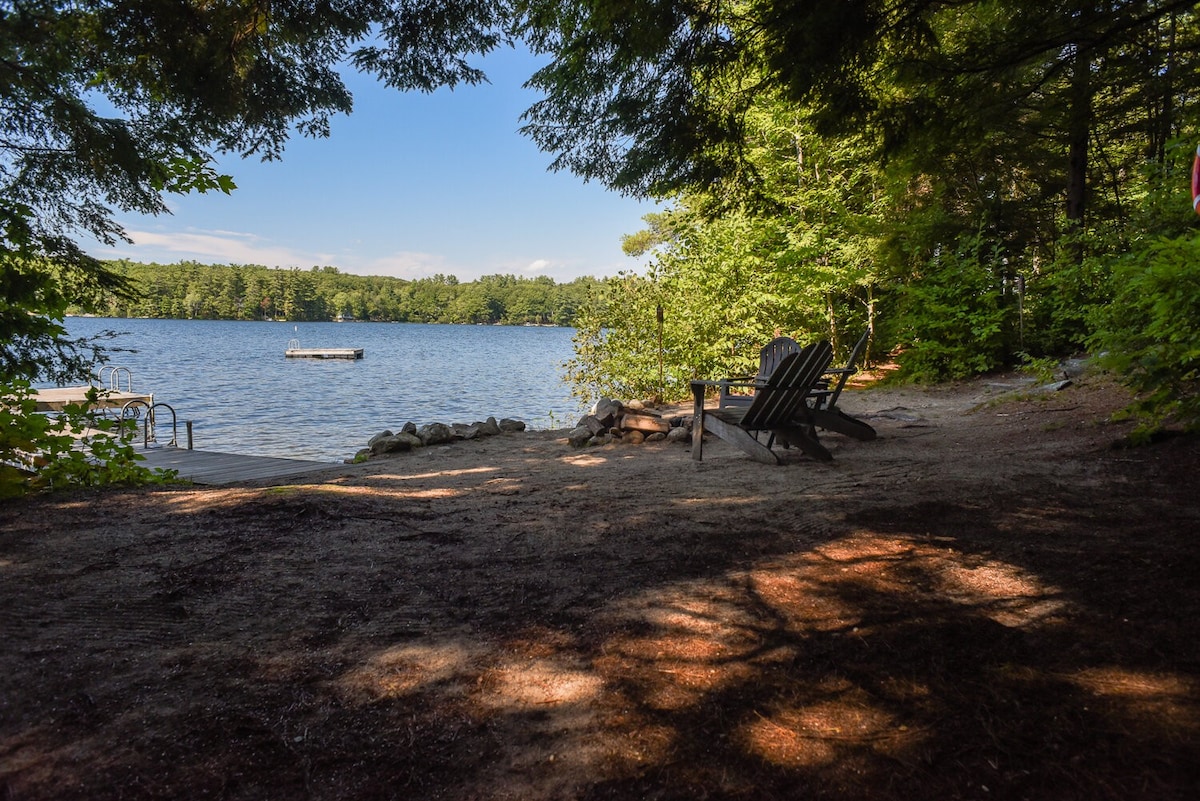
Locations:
(194, 291)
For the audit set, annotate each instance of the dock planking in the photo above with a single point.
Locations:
(215, 468)
(323, 353)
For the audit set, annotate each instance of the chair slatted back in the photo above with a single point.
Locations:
(773, 353)
(777, 402)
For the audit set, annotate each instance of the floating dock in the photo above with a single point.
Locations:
(56, 399)
(323, 353)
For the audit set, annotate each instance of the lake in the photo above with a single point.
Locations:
(233, 382)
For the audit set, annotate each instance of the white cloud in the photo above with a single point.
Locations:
(229, 247)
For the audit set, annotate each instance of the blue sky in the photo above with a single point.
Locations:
(408, 185)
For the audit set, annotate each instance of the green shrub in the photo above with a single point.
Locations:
(953, 319)
(1150, 333)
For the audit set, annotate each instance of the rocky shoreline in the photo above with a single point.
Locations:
(607, 421)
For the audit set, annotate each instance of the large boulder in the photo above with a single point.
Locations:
(382, 435)
(580, 436)
(606, 410)
(394, 443)
(464, 431)
(435, 434)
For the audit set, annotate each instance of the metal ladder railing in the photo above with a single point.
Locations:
(133, 409)
(114, 374)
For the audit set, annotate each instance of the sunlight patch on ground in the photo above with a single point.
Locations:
(723, 500)
(405, 669)
(818, 734)
(365, 491)
(188, 502)
(466, 471)
(431, 494)
(700, 639)
(1005, 593)
(534, 683)
(808, 606)
(1167, 699)
(379, 478)
(1126, 683)
(584, 460)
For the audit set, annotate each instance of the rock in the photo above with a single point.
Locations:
(634, 437)
(606, 410)
(636, 405)
(679, 434)
(657, 436)
(397, 443)
(411, 436)
(592, 423)
(464, 431)
(435, 433)
(381, 435)
(580, 436)
(1074, 368)
(1057, 386)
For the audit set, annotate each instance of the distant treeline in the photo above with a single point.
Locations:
(190, 290)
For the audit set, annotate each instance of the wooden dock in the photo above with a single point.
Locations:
(323, 353)
(215, 468)
(56, 398)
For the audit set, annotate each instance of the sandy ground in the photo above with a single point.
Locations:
(990, 601)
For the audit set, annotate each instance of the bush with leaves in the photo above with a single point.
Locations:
(1150, 333)
(954, 318)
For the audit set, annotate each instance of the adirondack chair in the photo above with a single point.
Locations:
(823, 411)
(778, 407)
(740, 391)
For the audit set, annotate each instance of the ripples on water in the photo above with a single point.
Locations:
(232, 380)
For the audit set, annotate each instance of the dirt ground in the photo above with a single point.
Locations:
(990, 601)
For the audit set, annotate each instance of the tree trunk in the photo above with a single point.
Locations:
(1078, 130)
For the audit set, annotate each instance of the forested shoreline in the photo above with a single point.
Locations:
(193, 291)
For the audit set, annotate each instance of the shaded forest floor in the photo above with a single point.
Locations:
(989, 601)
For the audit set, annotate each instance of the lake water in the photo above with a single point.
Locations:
(232, 380)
